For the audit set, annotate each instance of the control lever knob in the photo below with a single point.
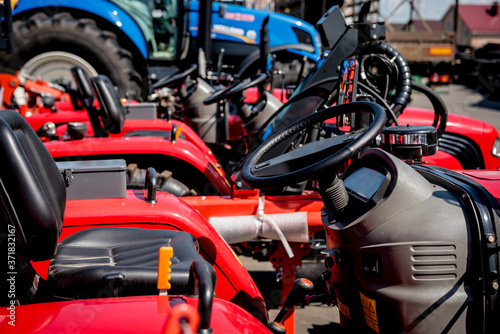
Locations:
(298, 291)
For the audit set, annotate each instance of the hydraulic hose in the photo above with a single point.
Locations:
(404, 84)
(390, 113)
(440, 110)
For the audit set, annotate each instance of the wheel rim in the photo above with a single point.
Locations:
(55, 67)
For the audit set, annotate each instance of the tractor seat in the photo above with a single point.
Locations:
(83, 87)
(111, 114)
(111, 109)
(152, 133)
(110, 262)
(98, 262)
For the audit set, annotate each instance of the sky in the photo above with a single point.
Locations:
(428, 9)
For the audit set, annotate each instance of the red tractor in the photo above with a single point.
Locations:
(364, 210)
(408, 248)
(373, 216)
(223, 201)
(104, 243)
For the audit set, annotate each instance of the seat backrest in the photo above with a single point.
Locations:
(33, 192)
(83, 86)
(32, 202)
(86, 96)
(112, 109)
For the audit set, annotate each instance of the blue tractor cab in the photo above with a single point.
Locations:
(136, 42)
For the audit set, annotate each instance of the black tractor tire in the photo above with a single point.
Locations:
(62, 41)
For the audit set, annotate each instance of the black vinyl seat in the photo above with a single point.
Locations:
(111, 109)
(119, 262)
(110, 116)
(84, 88)
(113, 113)
(33, 200)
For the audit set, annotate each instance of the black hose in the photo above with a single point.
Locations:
(391, 116)
(440, 110)
(403, 88)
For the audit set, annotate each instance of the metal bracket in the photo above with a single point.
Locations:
(68, 176)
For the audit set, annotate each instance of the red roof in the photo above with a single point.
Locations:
(477, 19)
(435, 25)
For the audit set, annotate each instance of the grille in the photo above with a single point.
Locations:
(434, 262)
(463, 149)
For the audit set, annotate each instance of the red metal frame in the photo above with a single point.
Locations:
(34, 90)
(143, 314)
(246, 202)
(11, 82)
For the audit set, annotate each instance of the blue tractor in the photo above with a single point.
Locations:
(135, 42)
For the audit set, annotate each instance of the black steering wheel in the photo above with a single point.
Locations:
(176, 78)
(310, 160)
(235, 89)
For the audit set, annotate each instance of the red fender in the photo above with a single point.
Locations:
(487, 178)
(133, 125)
(181, 149)
(143, 314)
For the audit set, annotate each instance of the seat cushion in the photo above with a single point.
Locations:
(107, 262)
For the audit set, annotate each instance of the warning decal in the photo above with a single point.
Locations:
(343, 309)
(370, 311)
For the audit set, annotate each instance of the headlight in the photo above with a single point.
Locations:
(495, 150)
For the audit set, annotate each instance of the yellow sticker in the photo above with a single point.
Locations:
(370, 311)
(343, 309)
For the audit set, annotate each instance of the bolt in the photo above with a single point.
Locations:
(374, 36)
(12, 83)
(239, 184)
(374, 26)
(490, 238)
(494, 285)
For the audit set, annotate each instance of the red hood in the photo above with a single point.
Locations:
(467, 126)
(490, 179)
